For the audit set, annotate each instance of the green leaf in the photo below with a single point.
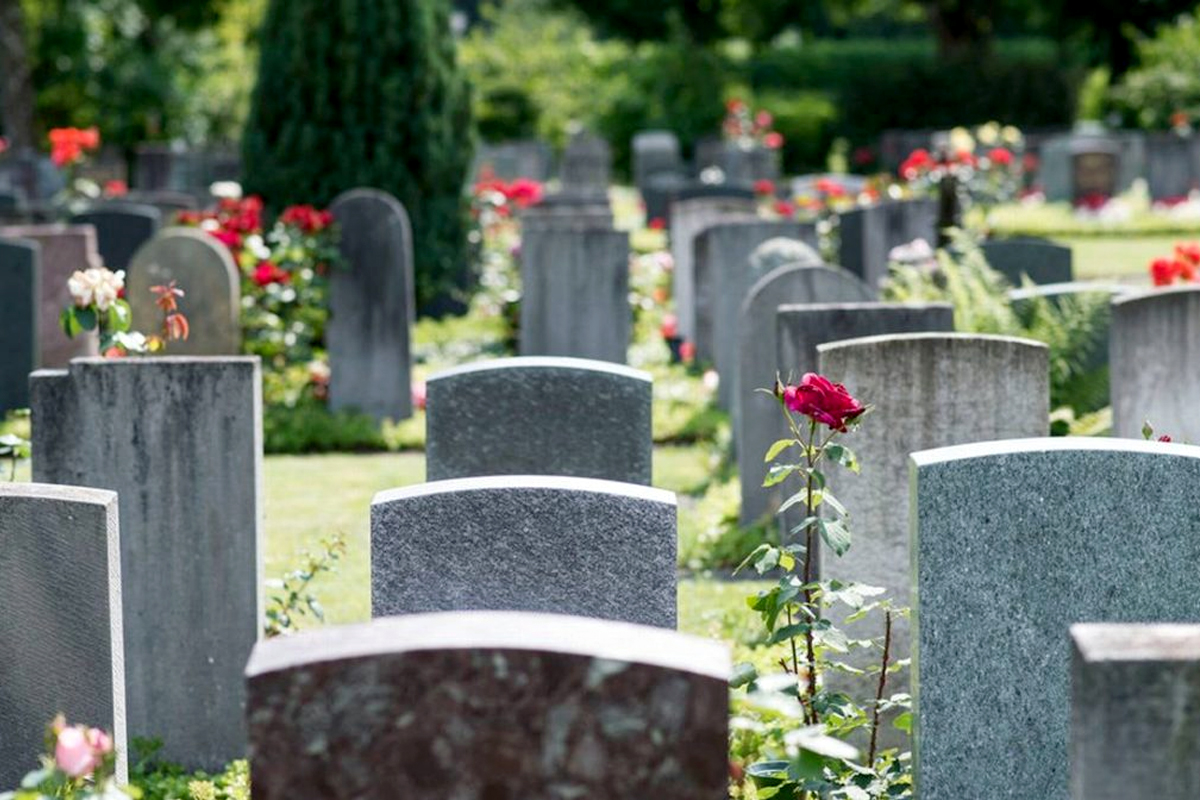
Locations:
(777, 448)
(798, 498)
(767, 561)
(1147, 430)
(840, 454)
(69, 323)
(828, 498)
(904, 722)
(743, 675)
(789, 631)
(85, 317)
(778, 473)
(835, 534)
(119, 316)
(753, 555)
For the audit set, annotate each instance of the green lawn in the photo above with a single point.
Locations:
(1126, 259)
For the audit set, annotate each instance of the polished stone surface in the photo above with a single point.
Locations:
(1040, 260)
(121, 228)
(20, 275)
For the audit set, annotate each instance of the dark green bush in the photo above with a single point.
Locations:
(366, 93)
(310, 427)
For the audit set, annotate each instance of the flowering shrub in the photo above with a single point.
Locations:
(79, 764)
(285, 275)
(812, 757)
(68, 145)
(497, 234)
(986, 166)
(291, 599)
(749, 129)
(98, 304)
(1181, 267)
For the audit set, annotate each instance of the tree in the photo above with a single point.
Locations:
(16, 82)
(366, 93)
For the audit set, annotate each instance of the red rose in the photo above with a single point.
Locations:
(267, 272)
(918, 161)
(1164, 438)
(784, 209)
(657, 224)
(670, 326)
(1000, 156)
(115, 188)
(764, 186)
(734, 106)
(687, 352)
(1188, 252)
(524, 192)
(1185, 269)
(823, 401)
(829, 187)
(763, 119)
(1162, 271)
(773, 141)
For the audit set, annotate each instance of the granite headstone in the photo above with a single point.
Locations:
(689, 216)
(868, 234)
(121, 228)
(20, 271)
(1040, 260)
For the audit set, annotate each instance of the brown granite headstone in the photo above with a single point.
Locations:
(488, 706)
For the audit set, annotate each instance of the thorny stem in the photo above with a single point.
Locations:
(809, 530)
(887, 647)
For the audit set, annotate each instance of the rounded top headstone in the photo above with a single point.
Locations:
(781, 251)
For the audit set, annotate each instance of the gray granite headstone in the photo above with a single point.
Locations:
(868, 234)
(526, 158)
(926, 390)
(20, 272)
(1154, 347)
(60, 587)
(723, 275)
(489, 705)
(781, 252)
(168, 203)
(540, 416)
(1039, 259)
(180, 440)
(372, 306)
(121, 229)
(205, 271)
(1013, 542)
(586, 163)
(1095, 169)
(689, 216)
(1059, 171)
(799, 329)
(575, 293)
(65, 249)
(742, 166)
(558, 211)
(756, 420)
(658, 169)
(525, 543)
(1171, 164)
(806, 185)
(1135, 711)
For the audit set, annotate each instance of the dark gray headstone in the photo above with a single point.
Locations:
(1095, 169)
(723, 276)
(33, 174)
(1171, 164)
(120, 230)
(510, 160)
(180, 440)
(488, 706)
(743, 166)
(756, 417)
(1059, 171)
(525, 543)
(575, 293)
(206, 273)
(372, 306)
(799, 329)
(868, 234)
(689, 216)
(1041, 260)
(154, 167)
(540, 416)
(20, 273)
(586, 164)
(168, 203)
(782, 252)
(1154, 347)
(658, 170)
(1135, 711)
(60, 587)
(1013, 542)
(65, 249)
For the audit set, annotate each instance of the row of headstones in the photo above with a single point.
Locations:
(372, 301)
(170, 592)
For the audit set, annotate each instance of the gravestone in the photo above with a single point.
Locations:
(32, 174)
(12, 205)
(723, 275)
(586, 164)
(372, 307)
(1171, 165)
(539, 416)
(756, 416)
(65, 249)
(575, 293)
(806, 185)
(60, 586)
(205, 271)
(1155, 344)
(525, 543)
(121, 229)
(1013, 542)
(926, 390)
(169, 204)
(489, 705)
(1039, 259)
(180, 440)
(19, 276)
(1135, 711)
(689, 216)
(1094, 170)
(869, 233)
(743, 166)
(658, 170)
(525, 158)
(799, 329)
(571, 212)
(782, 252)
(154, 167)
(1060, 170)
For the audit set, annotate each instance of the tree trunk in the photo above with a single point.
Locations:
(16, 83)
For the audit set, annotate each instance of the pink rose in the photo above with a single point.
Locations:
(73, 752)
(822, 400)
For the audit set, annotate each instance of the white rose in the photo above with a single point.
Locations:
(82, 286)
(108, 287)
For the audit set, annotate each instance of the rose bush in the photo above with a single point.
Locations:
(98, 304)
(79, 764)
(1181, 267)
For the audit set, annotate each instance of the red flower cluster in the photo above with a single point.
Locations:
(115, 188)
(830, 187)
(1092, 202)
(919, 161)
(1182, 267)
(670, 326)
(740, 124)
(1000, 156)
(657, 224)
(784, 209)
(268, 272)
(822, 401)
(523, 192)
(231, 222)
(307, 218)
(67, 145)
(764, 186)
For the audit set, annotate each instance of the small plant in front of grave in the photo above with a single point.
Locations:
(791, 713)
(155, 779)
(292, 599)
(13, 449)
(79, 764)
(98, 304)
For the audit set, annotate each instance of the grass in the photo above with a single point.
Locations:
(1124, 259)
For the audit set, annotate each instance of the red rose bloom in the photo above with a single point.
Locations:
(830, 187)
(823, 401)
(764, 186)
(1000, 157)
(773, 140)
(267, 272)
(670, 326)
(784, 209)
(918, 161)
(1188, 252)
(524, 192)
(1162, 271)
(657, 224)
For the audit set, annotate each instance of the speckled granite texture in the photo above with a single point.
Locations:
(1154, 350)
(1014, 542)
(525, 543)
(1041, 260)
(540, 416)
(1135, 712)
(61, 629)
(689, 216)
(120, 230)
(20, 277)
(488, 706)
(869, 233)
